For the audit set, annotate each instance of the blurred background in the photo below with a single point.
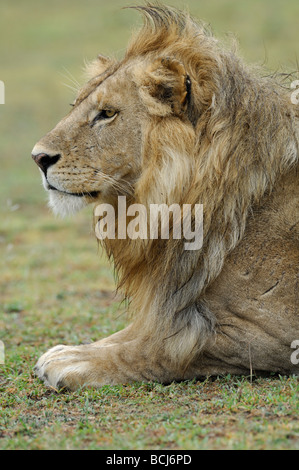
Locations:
(50, 271)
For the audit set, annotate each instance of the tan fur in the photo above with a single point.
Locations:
(194, 125)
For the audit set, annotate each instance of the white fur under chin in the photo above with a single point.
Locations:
(64, 204)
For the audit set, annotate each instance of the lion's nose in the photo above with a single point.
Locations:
(44, 161)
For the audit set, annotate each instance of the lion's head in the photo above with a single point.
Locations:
(108, 143)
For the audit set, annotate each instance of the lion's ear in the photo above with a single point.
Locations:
(98, 66)
(163, 86)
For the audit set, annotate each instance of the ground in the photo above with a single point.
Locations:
(55, 284)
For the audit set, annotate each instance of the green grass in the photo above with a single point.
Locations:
(227, 413)
(54, 284)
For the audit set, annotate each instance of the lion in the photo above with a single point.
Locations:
(181, 119)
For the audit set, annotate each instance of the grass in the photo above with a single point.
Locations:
(226, 413)
(54, 285)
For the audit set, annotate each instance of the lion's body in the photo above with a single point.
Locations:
(185, 122)
(259, 312)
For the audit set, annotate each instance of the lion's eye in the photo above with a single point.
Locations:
(108, 113)
(104, 114)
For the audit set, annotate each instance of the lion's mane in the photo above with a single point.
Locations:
(236, 138)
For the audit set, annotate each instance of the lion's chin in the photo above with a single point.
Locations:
(66, 204)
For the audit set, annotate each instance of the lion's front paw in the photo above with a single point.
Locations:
(63, 367)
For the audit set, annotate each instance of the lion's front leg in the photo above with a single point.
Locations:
(114, 360)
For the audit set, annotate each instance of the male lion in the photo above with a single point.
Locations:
(182, 120)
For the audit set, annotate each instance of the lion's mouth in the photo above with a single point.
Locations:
(92, 194)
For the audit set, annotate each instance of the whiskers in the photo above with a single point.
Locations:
(74, 85)
(121, 187)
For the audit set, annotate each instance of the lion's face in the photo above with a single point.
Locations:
(94, 152)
